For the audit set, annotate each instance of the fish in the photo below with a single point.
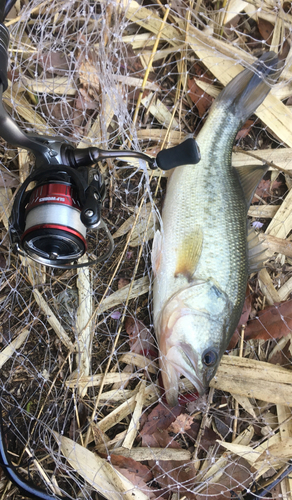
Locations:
(205, 248)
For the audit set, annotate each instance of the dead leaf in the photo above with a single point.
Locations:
(85, 102)
(209, 438)
(266, 30)
(8, 181)
(235, 478)
(123, 282)
(182, 424)
(54, 62)
(160, 439)
(131, 465)
(137, 481)
(273, 322)
(176, 476)
(160, 418)
(100, 475)
(200, 98)
(245, 130)
(141, 340)
(265, 188)
(243, 319)
(283, 356)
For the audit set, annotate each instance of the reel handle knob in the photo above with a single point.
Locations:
(184, 154)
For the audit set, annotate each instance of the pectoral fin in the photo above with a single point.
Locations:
(250, 177)
(189, 253)
(156, 252)
(257, 251)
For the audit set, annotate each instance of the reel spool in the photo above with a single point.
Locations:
(54, 233)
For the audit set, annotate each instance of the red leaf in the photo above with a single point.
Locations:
(123, 282)
(245, 130)
(54, 62)
(132, 466)
(182, 424)
(235, 477)
(8, 181)
(175, 475)
(200, 98)
(282, 357)
(141, 340)
(243, 319)
(137, 481)
(160, 418)
(159, 439)
(273, 322)
(266, 29)
(265, 187)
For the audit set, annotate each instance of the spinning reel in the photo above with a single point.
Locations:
(50, 221)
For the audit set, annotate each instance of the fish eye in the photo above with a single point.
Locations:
(209, 357)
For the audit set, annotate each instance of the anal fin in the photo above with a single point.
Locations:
(257, 250)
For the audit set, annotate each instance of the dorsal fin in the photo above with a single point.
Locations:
(250, 177)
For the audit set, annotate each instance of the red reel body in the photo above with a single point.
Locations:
(54, 232)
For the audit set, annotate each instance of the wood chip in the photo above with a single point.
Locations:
(285, 290)
(148, 453)
(263, 211)
(281, 157)
(150, 396)
(140, 287)
(5, 205)
(132, 358)
(174, 137)
(254, 379)
(53, 321)
(267, 288)
(141, 226)
(246, 404)
(160, 112)
(12, 347)
(134, 425)
(281, 224)
(95, 380)
(233, 8)
(277, 245)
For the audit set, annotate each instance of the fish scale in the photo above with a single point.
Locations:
(200, 256)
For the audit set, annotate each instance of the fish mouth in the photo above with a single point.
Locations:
(180, 360)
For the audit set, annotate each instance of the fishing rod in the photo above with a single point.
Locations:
(50, 221)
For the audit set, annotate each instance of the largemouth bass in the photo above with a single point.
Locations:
(200, 256)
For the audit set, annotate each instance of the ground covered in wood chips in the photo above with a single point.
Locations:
(81, 395)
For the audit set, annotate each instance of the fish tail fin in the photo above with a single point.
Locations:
(250, 87)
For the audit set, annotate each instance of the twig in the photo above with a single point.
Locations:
(269, 163)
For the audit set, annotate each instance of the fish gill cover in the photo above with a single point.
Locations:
(83, 407)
